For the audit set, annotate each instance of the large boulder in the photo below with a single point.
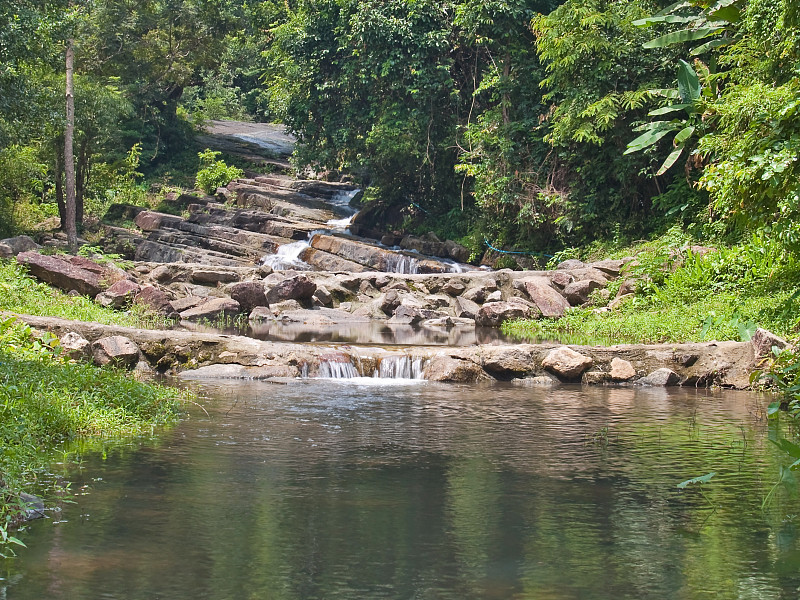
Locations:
(10, 247)
(115, 350)
(545, 297)
(299, 287)
(64, 274)
(763, 341)
(212, 310)
(621, 369)
(495, 314)
(566, 362)
(456, 370)
(466, 309)
(248, 294)
(578, 292)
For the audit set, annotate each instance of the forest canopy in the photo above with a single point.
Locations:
(529, 124)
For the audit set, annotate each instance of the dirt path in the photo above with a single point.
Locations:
(259, 143)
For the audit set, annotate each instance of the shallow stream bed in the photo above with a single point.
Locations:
(364, 489)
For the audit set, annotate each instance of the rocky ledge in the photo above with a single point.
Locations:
(205, 355)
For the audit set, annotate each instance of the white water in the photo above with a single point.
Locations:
(400, 367)
(402, 264)
(288, 257)
(390, 369)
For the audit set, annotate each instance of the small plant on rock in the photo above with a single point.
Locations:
(214, 173)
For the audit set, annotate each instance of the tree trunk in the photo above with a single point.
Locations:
(69, 158)
(59, 175)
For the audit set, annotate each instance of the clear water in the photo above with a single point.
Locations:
(320, 489)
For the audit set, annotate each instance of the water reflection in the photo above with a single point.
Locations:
(367, 333)
(317, 490)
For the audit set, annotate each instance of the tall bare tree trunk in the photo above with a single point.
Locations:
(69, 157)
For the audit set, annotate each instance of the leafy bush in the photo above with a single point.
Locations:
(214, 173)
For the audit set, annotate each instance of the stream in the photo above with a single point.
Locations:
(382, 488)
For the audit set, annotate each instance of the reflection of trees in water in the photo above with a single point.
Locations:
(316, 490)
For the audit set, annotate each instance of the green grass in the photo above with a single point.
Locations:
(684, 297)
(21, 294)
(47, 401)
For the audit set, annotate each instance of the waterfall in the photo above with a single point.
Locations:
(288, 257)
(402, 264)
(336, 369)
(400, 367)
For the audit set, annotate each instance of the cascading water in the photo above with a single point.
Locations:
(400, 367)
(335, 369)
(341, 201)
(402, 264)
(288, 257)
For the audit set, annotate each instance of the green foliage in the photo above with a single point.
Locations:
(46, 400)
(214, 173)
(21, 181)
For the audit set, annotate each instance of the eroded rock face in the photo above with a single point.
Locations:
(156, 300)
(566, 362)
(63, 274)
(495, 314)
(249, 294)
(298, 287)
(661, 378)
(763, 341)
(456, 370)
(549, 301)
(212, 310)
(116, 350)
(13, 246)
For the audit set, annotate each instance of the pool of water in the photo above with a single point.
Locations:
(327, 490)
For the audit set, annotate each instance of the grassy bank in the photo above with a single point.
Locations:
(684, 295)
(47, 400)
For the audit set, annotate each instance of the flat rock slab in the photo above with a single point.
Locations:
(726, 364)
(64, 273)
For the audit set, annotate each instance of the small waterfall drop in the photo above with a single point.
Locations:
(336, 369)
(400, 367)
(288, 257)
(401, 264)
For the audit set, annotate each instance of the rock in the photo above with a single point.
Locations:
(118, 295)
(621, 370)
(285, 306)
(466, 309)
(212, 309)
(149, 220)
(407, 315)
(389, 301)
(560, 279)
(299, 287)
(32, 506)
(454, 288)
(209, 276)
(568, 265)
(63, 274)
(495, 296)
(156, 300)
(13, 246)
(323, 295)
(763, 341)
(628, 287)
(566, 362)
(495, 314)
(370, 311)
(261, 313)
(578, 292)
(447, 368)
(594, 378)
(661, 378)
(619, 301)
(547, 300)
(115, 350)
(190, 301)
(609, 266)
(248, 294)
(591, 274)
(75, 346)
(476, 294)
